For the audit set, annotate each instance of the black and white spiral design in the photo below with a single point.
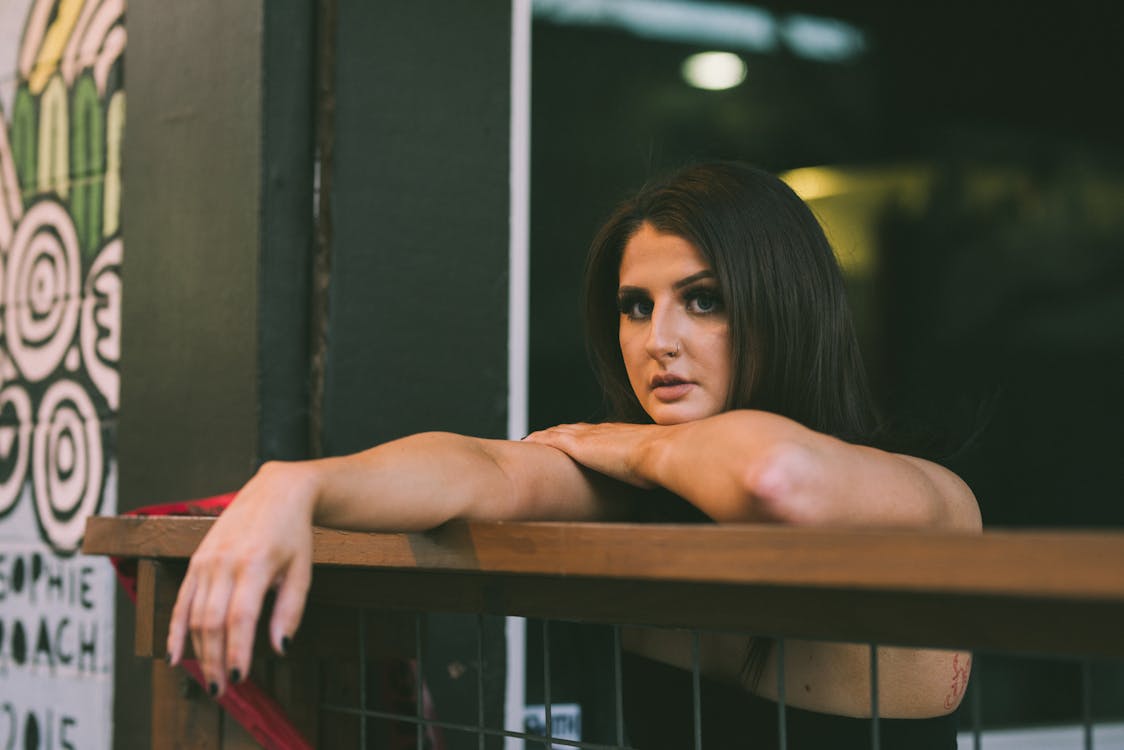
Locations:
(42, 290)
(100, 332)
(67, 464)
(15, 444)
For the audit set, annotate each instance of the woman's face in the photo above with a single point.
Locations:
(674, 332)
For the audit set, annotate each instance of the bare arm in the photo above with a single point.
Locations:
(791, 474)
(264, 539)
(424, 480)
(757, 466)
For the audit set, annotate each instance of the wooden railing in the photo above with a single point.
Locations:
(1046, 592)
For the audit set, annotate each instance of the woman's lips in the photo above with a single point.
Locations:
(668, 394)
(670, 389)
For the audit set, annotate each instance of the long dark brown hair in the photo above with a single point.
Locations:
(792, 339)
(793, 344)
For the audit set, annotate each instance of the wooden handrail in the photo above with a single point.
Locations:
(1041, 591)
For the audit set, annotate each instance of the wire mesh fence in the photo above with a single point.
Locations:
(586, 689)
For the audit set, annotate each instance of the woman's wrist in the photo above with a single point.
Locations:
(299, 484)
(653, 453)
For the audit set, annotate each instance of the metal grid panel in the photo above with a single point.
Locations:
(479, 733)
(422, 723)
(875, 726)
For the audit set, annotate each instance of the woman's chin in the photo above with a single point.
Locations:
(679, 412)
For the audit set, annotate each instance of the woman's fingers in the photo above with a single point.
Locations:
(242, 614)
(289, 605)
(195, 615)
(219, 605)
(556, 437)
(178, 626)
(609, 448)
(208, 629)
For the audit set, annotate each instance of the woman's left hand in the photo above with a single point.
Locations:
(614, 449)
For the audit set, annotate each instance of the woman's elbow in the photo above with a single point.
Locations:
(776, 485)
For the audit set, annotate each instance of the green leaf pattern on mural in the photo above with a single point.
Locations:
(25, 142)
(87, 159)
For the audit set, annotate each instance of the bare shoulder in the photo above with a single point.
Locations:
(961, 509)
(822, 480)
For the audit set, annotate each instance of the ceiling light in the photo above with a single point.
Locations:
(714, 71)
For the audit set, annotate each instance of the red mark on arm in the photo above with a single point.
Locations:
(960, 672)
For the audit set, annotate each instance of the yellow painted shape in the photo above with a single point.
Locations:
(54, 139)
(54, 42)
(114, 129)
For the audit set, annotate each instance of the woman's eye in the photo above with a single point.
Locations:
(704, 302)
(635, 307)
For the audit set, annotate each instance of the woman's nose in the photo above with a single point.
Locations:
(663, 334)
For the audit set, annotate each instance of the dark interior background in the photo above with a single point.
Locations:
(992, 318)
(991, 315)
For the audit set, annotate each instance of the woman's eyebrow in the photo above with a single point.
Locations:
(705, 274)
(687, 281)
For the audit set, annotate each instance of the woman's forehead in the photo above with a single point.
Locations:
(650, 256)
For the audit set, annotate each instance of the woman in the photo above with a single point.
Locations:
(719, 328)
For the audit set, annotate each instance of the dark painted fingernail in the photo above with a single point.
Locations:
(235, 676)
(214, 688)
(285, 641)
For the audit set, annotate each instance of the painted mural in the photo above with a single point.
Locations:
(62, 113)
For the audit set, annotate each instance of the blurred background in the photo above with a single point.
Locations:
(966, 162)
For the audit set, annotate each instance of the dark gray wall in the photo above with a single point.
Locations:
(217, 221)
(418, 240)
(417, 335)
(289, 66)
(219, 206)
(189, 319)
(191, 201)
